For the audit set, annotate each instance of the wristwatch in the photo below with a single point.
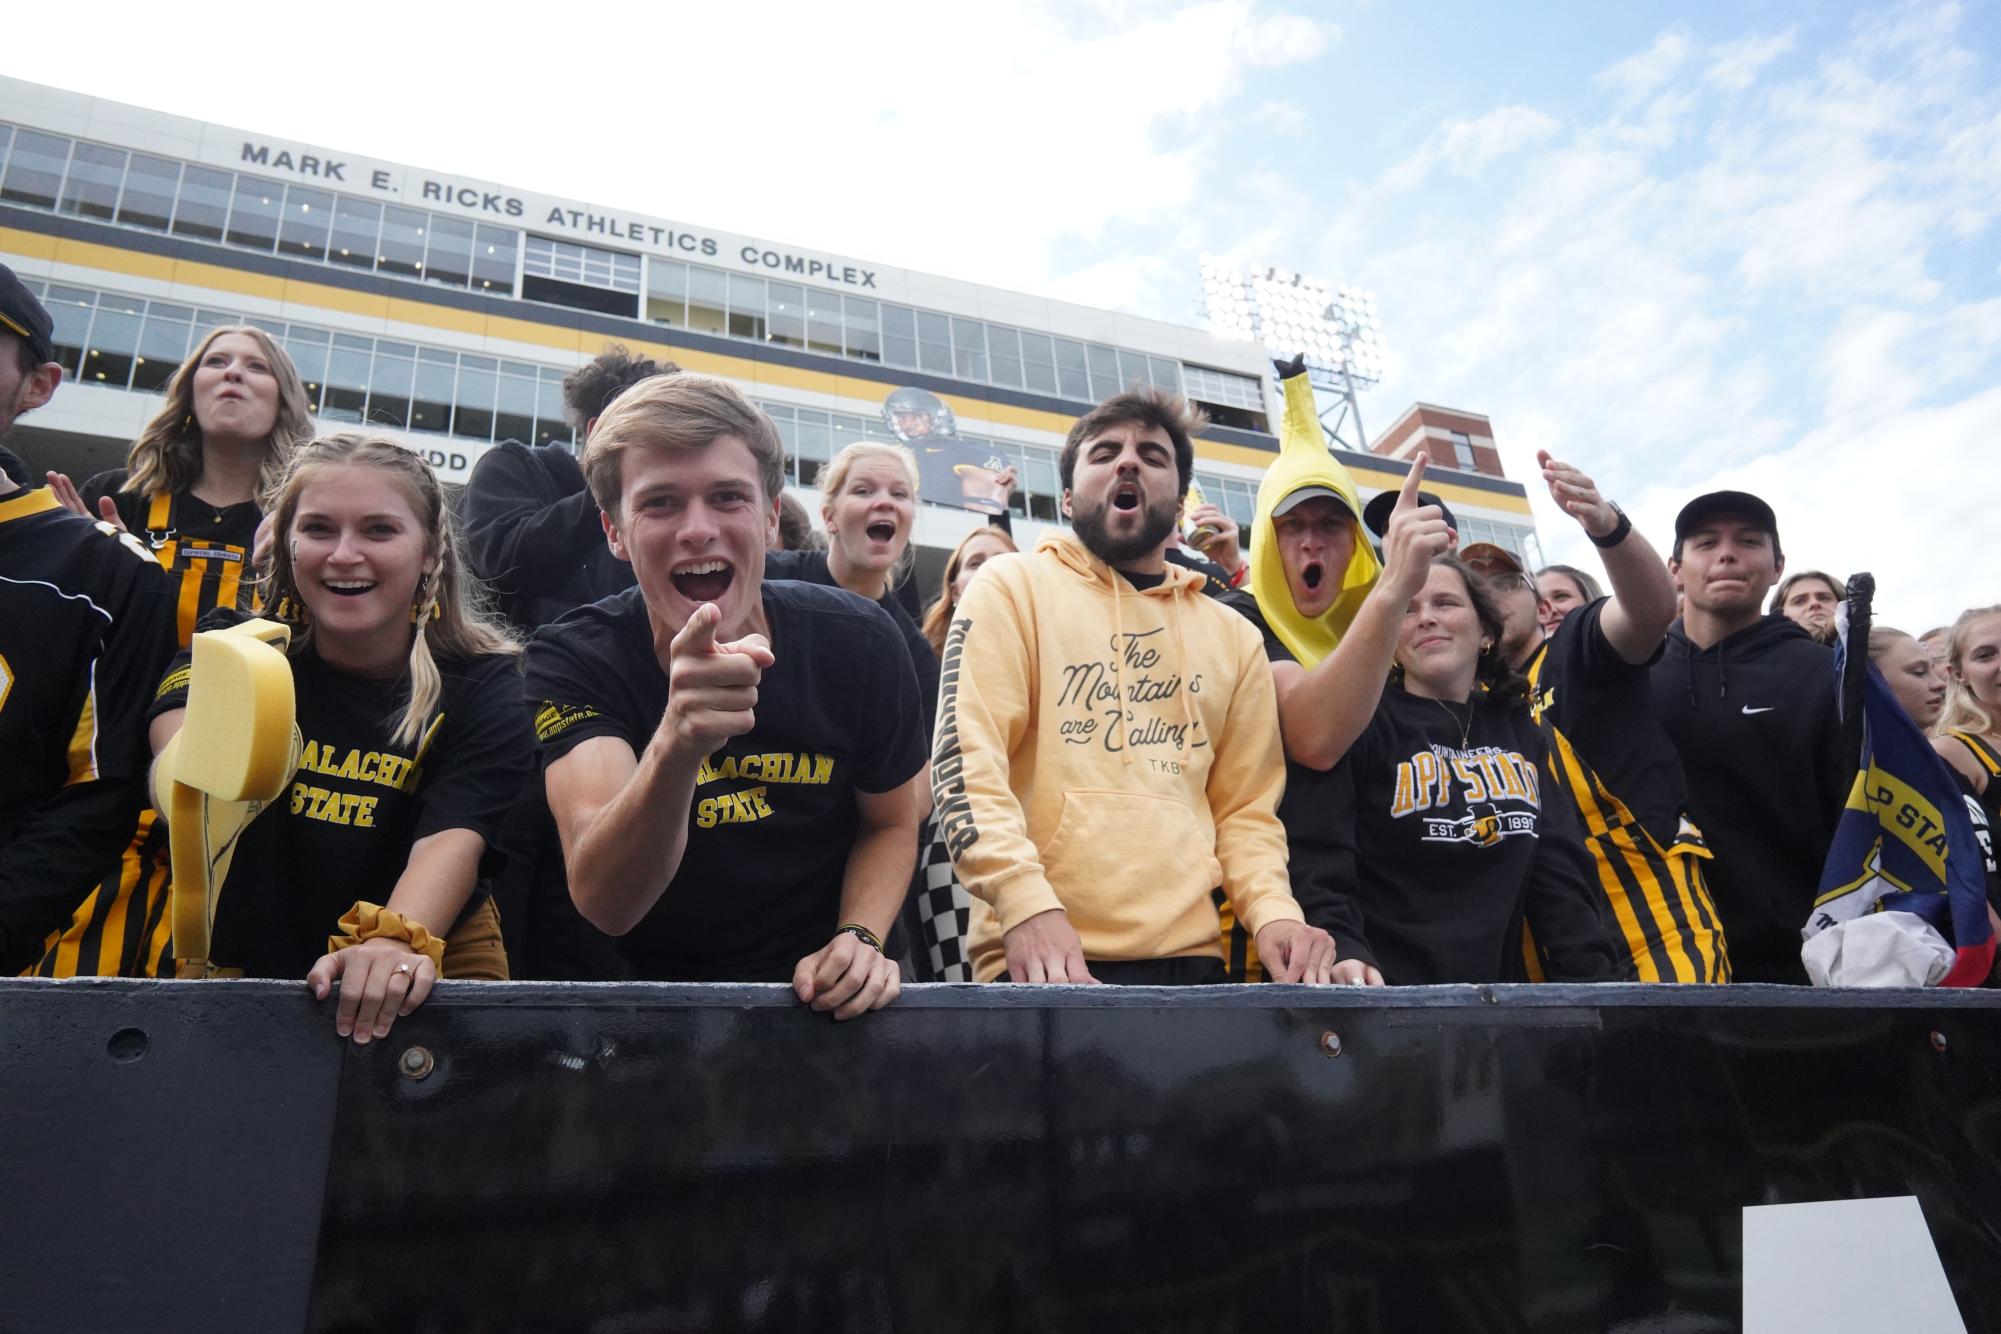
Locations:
(1618, 533)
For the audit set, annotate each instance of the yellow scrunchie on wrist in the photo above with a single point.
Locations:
(368, 921)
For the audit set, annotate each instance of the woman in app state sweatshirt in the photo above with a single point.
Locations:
(1440, 833)
(1111, 750)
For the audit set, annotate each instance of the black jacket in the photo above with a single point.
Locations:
(1753, 717)
(533, 534)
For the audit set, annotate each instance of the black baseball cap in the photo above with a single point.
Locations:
(1740, 503)
(1377, 513)
(21, 313)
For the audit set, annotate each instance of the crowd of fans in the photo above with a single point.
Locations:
(630, 715)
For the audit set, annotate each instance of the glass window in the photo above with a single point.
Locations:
(308, 350)
(357, 227)
(899, 336)
(746, 307)
(551, 426)
(472, 408)
(814, 446)
(823, 321)
(969, 349)
(253, 213)
(148, 201)
(308, 218)
(95, 173)
(114, 342)
(1133, 370)
(667, 291)
(389, 384)
(788, 315)
(788, 433)
(401, 248)
(862, 321)
(70, 308)
(34, 169)
(934, 343)
(1038, 363)
(1004, 356)
(448, 252)
(1039, 479)
(163, 344)
(514, 416)
(6, 138)
(431, 396)
(493, 255)
(1166, 373)
(1071, 379)
(1104, 371)
(346, 397)
(1462, 449)
(705, 299)
(203, 206)
(625, 273)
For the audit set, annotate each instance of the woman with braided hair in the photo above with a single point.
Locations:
(415, 745)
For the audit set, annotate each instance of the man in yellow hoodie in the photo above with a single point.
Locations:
(1107, 746)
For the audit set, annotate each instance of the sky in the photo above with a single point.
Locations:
(1682, 246)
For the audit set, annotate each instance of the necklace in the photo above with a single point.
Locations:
(1465, 728)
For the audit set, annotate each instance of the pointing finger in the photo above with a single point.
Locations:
(1407, 497)
(755, 647)
(699, 634)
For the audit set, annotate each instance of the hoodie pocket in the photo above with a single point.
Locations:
(1120, 862)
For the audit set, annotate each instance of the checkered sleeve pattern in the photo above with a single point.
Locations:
(944, 914)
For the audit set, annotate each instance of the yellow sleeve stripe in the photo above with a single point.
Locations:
(83, 740)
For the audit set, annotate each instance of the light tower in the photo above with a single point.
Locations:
(1290, 313)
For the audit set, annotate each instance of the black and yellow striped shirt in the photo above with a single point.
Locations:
(1610, 754)
(85, 630)
(123, 929)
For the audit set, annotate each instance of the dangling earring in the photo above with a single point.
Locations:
(420, 611)
(290, 612)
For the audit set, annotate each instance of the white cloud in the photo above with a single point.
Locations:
(1277, 114)
(1750, 279)
(1638, 75)
(1467, 145)
(1734, 65)
(968, 142)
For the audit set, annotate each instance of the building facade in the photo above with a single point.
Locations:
(446, 311)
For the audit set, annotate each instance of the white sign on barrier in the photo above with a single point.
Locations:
(1844, 1267)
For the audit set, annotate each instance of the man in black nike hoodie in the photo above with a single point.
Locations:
(1749, 701)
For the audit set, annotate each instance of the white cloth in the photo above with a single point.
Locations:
(1881, 949)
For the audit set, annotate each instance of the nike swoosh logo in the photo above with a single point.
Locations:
(1748, 710)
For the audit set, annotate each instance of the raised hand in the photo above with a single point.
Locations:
(1577, 495)
(1415, 534)
(72, 500)
(711, 687)
(1225, 544)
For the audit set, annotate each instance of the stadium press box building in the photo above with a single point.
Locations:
(446, 311)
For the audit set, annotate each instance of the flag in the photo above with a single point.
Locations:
(1905, 842)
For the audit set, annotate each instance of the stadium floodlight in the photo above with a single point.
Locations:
(1292, 313)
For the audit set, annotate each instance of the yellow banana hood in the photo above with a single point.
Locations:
(1303, 461)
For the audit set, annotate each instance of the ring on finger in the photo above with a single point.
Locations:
(406, 968)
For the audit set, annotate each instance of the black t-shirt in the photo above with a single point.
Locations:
(206, 549)
(1604, 706)
(759, 885)
(1424, 849)
(343, 830)
(811, 567)
(1247, 607)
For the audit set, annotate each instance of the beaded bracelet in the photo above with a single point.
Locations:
(866, 936)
